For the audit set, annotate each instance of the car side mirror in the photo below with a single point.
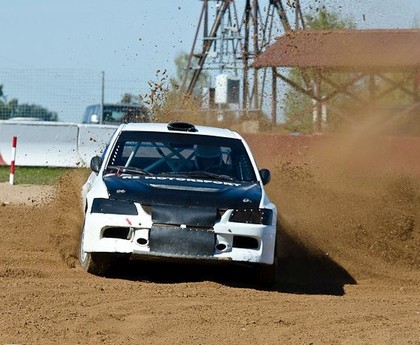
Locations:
(94, 119)
(95, 163)
(265, 176)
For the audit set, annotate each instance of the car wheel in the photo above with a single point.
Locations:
(267, 274)
(94, 263)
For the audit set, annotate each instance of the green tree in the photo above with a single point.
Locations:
(323, 19)
(36, 111)
(12, 108)
(129, 98)
(181, 64)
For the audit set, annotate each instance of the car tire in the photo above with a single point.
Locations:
(266, 275)
(94, 263)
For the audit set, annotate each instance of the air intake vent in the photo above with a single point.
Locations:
(181, 126)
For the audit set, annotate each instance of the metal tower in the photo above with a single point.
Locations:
(232, 42)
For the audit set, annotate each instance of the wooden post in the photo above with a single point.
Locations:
(274, 96)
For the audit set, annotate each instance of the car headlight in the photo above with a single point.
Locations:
(252, 216)
(114, 207)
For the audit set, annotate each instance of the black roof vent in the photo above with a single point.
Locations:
(181, 126)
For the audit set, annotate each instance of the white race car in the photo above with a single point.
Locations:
(177, 192)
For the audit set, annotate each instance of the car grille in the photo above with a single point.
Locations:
(181, 241)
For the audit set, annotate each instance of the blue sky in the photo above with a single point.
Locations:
(120, 37)
(135, 38)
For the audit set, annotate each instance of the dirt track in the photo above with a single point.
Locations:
(350, 273)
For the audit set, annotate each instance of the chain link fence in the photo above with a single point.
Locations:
(59, 94)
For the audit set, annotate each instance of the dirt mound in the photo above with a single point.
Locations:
(41, 219)
(352, 198)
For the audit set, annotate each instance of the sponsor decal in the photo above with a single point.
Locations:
(195, 180)
(184, 191)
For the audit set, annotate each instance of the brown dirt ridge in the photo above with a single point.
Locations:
(349, 274)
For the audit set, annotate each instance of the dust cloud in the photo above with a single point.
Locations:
(350, 198)
(67, 222)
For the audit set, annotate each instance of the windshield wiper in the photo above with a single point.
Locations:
(128, 170)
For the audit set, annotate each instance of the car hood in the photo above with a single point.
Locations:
(184, 191)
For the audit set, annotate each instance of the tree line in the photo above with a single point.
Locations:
(12, 109)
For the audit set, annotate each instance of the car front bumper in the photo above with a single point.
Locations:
(138, 236)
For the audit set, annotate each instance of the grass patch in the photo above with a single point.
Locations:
(33, 175)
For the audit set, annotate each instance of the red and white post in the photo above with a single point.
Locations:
(12, 163)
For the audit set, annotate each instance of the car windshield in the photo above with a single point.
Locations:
(181, 154)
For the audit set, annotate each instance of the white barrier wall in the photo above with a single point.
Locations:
(52, 144)
(92, 140)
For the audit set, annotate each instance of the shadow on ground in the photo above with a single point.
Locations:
(313, 275)
(302, 271)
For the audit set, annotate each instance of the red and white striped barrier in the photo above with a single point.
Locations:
(12, 163)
